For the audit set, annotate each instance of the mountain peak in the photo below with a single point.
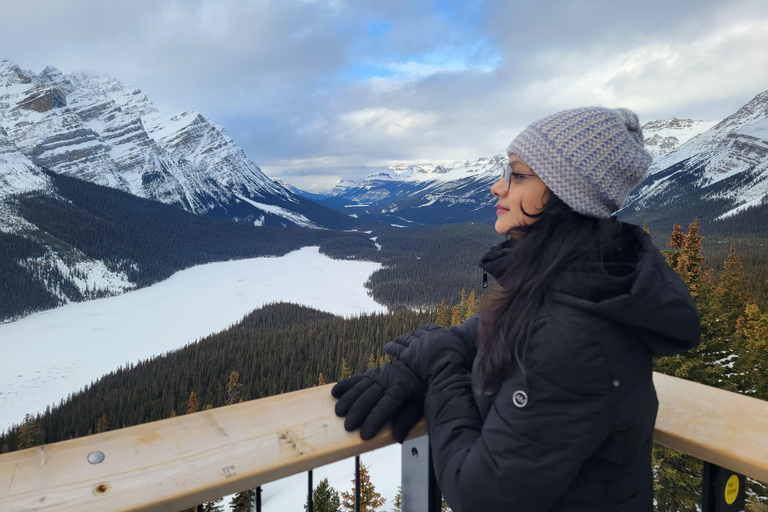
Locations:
(755, 110)
(51, 75)
(11, 74)
(664, 136)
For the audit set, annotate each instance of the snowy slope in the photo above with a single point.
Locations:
(723, 170)
(18, 174)
(97, 129)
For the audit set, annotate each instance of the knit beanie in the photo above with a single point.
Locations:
(591, 158)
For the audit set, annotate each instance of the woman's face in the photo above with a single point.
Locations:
(526, 193)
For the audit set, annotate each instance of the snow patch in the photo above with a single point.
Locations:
(294, 217)
(92, 277)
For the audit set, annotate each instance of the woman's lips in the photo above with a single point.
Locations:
(500, 209)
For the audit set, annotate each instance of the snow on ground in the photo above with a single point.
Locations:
(97, 276)
(50, 354)
(294, 217)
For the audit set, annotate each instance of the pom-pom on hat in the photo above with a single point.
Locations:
(591, 157)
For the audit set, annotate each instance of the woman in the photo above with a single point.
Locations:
(545, 401)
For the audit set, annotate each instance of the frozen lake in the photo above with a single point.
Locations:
(50, 354)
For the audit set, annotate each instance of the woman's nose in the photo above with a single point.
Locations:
(497, 189)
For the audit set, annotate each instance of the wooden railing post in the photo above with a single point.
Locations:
(357, 483)
(310, 505)
(419, 489)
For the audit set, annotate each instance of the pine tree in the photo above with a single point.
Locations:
(324, 498)
(397, 505)
(102, 425)
(729, 297)
(675, 244)
(702, 363)
(31, 434)
(242, 501)
(455, 316)
(443, 316)
(192, 404)
(677, 482)
(461, 308)
(234, 389)
(751, 343)
(370, 500)
(397, 502)
(472, 305)
(214, 506)
(690, 261)
(345, 372)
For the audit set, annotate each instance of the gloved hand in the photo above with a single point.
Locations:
(369, 400)
(431, 352)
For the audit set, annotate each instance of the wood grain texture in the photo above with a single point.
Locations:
(718, 426)
(179, 462)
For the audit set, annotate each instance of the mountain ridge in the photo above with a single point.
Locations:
(98, 129)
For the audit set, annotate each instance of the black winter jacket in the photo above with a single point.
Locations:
(576, 434)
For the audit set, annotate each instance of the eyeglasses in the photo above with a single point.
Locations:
(508, 173)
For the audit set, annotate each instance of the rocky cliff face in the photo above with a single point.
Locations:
(97, 129)
(665, 136)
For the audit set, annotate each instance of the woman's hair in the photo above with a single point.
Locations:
(559, 239)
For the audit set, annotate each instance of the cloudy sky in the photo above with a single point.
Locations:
(321, 90)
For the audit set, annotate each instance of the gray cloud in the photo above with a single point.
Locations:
(287, 78)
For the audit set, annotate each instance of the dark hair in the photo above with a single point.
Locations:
(560, 239)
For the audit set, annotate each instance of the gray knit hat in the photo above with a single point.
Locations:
(591, 158)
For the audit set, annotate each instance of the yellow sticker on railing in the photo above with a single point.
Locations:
(731, 489)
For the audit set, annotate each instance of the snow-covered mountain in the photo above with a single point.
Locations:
(666, 135)
(423, 193)
(706, 169)
(18, 173)
(97, 129)
(717, 175)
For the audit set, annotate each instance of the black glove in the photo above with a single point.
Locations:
(431, 352)
(369, 400)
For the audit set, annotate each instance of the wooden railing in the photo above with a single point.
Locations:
(177, 463)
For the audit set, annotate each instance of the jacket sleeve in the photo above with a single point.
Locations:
(539, 431)
(467, 333)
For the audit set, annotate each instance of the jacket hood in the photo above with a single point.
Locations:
(651, 299)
